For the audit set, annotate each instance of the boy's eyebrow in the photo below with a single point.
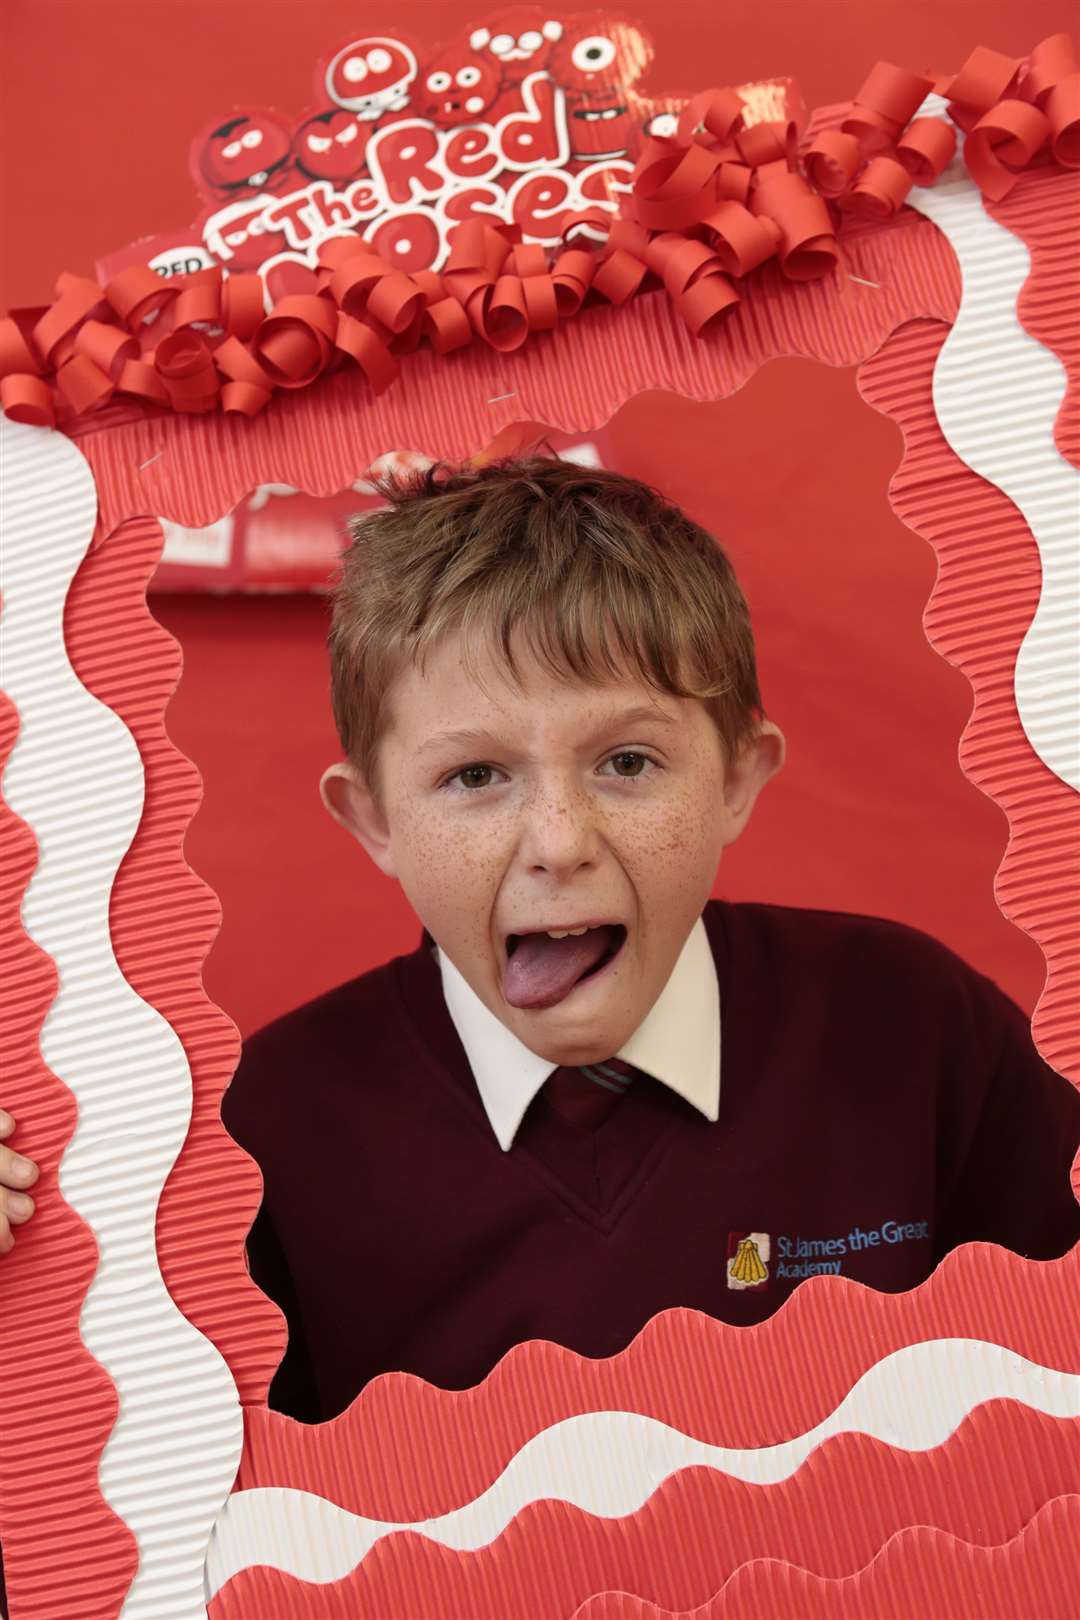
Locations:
(639, 714)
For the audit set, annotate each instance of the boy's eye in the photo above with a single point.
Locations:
(630, 767)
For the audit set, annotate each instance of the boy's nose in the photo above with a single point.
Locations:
(560, 832)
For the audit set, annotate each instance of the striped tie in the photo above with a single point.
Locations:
(585, 1096)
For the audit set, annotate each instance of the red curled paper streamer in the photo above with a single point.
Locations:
(694, 278)
(83, 384)
(1051, 61)
(571, 278)
(139, 379)
(807, 247)
(364, 283)
(1063, 111)
(671, 185)
(198, 302)
(138, 295)
(768, 143)
(296, 342)
(711, 118)
(185, 365)
(249, 387)
(54, 333)
(880, 190)
(27, 399)
(243, 305)
(926, 149)
(529, 264)
(477, 255)
(742, 240)
(619, 276)
(355, 338)
(986, 78)
(504, 317)
(734, 182)
(889, 98)
(1052, 83)
(106, 346)
(1002, 143)
(243, 398)
(832, 160)
(447, 326)
(17, 352)
(444, 323)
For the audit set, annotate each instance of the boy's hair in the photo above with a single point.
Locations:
(587, 563)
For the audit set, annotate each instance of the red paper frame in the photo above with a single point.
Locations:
(978, 1291)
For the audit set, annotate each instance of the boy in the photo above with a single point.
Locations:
(592, 1092)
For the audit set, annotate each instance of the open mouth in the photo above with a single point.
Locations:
(541, 970)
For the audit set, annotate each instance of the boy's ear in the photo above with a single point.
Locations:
(354, 807)
(758, 762)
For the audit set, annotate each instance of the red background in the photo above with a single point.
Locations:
(872, 814)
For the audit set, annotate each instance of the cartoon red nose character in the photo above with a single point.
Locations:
(371, 77)
(456, 87)
(596, 61)
(331, 146)
(247, 154)
(518, 40)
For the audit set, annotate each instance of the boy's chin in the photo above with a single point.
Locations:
(559, 1036)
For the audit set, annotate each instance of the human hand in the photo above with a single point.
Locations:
(16, 1175)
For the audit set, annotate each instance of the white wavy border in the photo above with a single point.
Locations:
(610, 1463)
(76, 778)
(997, 393)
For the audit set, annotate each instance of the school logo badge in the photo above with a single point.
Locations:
(748, 1259)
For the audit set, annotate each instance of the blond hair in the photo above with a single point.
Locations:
(587, 564)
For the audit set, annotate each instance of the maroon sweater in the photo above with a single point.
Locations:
(880, 1103)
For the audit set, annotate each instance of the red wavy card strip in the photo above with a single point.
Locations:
(695, 1531)
(984, 597)
(922, 1572)
(123, 656)
(448, 1446)
(65, 1551)
(194, 469)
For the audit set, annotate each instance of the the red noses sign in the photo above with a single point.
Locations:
(529, 117)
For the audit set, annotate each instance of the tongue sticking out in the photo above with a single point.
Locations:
(543, 970)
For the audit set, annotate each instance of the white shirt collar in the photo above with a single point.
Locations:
(678, 1043)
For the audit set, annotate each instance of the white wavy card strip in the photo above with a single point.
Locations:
(610, 1463)
(76, 778)
(997, 393)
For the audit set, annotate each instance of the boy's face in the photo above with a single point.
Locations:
(570, 809)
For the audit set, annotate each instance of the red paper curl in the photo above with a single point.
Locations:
(831, 161)
(27, 399)
(742, 240)
(185, 365)
(986, 78)
(880, 189)
(296, 342)
(243, 305)
(137, 295)
(711, 118)
(354, 338)
(807, 247)
(926, 149)
(83, 385)
(1002, 143)
(887, 101)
